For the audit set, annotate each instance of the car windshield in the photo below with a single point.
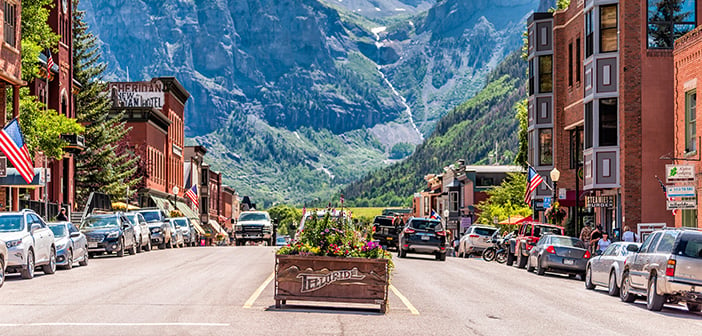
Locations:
(484, 231)
(11, 223)
(567, 241)
(540, 230)
(59, 230)
(100, 221)
(181, 222)
(151, 216)
(253, 217)
(690, 245)
(426, 225)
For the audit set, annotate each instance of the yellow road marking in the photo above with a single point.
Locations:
(404, 300)
(249, 303)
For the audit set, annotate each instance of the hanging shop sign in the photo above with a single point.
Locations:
(679, 173)
(680, 191)
(604, 201)
(682, 203)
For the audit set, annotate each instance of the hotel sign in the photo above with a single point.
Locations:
(679, 173)
(137, 94)
(606, 201)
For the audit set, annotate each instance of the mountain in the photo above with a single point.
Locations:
(484, 126)
(383, 8)
(296, 98)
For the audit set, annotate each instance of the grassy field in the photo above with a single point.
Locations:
(362, 212)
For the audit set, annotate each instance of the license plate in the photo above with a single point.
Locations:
(389, 238)
(425, 237)
(92, 245)
(568, 261)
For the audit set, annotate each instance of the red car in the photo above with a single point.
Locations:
(528, 235)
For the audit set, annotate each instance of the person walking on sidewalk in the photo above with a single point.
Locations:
(595, 237)
(630, 236)
(585, 235)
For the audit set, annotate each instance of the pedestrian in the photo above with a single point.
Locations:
(61, 217)
(595, 237)
(603, 243)
(630, 236)
(585, 234)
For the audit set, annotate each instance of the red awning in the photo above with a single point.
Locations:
(569, 201)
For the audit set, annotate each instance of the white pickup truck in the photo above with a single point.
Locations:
(254, 226)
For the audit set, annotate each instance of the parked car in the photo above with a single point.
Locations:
(29, 242)
(71, 245)
(186, 229)
(476, 239)
(176, 234)
(527, 236)
(558, 254)
(667, 268)
(424, 236)
(3, 261)
(109, 233)
(281, 241)
(141, 231)
(254, 226)
(159, 226)
(387, 230)
(606, 268)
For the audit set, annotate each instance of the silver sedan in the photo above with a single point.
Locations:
(558, 254)
(606, 269)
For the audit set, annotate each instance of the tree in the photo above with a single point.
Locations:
(286, 217)
(662, 29)
(108, 163)
(37, 36)
(505, 200)
(522, 155)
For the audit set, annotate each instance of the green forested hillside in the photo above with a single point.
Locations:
(482, 127)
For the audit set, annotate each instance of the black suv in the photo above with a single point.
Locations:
(425, 236)
(109, 233)
(159, 225)
(387, 230)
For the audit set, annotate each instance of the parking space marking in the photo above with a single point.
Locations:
(404, 300)
(114, 324)
(249, 303)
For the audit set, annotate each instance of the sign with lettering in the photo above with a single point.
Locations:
(3, 166)
(682, 203)
(680, 191)
(313, 282)
(137, 94)
(679, 173)
(604, 201)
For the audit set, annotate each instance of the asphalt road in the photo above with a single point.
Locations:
(212, 291)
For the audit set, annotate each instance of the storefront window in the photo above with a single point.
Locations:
(545, 147)
(668, 20)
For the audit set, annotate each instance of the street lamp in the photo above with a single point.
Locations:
(555, 176)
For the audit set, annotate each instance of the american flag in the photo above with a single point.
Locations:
(434, 215)
(12, 144)
(49, 63)
(533, 181)
(192, 195)
(668, 198)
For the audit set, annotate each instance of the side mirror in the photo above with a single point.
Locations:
(35, 227)
(75, 234)
(632, 248)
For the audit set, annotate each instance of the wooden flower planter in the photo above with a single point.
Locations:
(331, 279)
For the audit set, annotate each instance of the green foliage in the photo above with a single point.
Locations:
(108, 163)
(505, 200)
(42, 128)
(401, 150)
(286, 217)
(37, 35)
(562, 4)
(522, 155)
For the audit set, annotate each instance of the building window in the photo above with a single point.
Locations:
(427, 206)
(576, 148)
(689, 218)
(11, 23)
(545, 74)
(532, 158)
(608, 28)
(570, 64)
(589, 134)
(454, 201)
(609, 132)
(589, 45)
(577, 60)
(691, 121)
(531, 77)
(545, 147)
(668, 20)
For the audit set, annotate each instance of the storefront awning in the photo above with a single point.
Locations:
(197, 226)
(217, 228)
(162, 204)
(14, 179)
(187, 211)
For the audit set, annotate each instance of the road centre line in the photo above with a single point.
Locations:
(249, 303)
(404, 300)
(114, 324)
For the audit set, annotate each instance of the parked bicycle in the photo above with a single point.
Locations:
(498, 251)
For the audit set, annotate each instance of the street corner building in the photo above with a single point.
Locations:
(602, 89)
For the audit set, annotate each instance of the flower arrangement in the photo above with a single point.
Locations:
(175, 213)
(334, 237)
(555, 213)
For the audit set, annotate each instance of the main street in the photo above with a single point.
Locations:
(214, 291)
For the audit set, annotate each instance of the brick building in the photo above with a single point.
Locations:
(613, 83)
(688, 73)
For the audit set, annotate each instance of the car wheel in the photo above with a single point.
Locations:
(120, 252)
(441, 256)
(693, 307)
(28, 273)
(510, 259)
(138, 245)
(69, 260)
(588, 279)
(654, 301)
(613, 287)
(529, 267)
(51, 267)
(624, 293)
(2, 272)
(148, 246)
(133, 249)
(521, 260)
(84, 262)
(539, 269)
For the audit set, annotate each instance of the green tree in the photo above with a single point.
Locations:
(505, 200)
(662, 30)
(108, 164)
(522, 155)
(286, 217)
(37, 36)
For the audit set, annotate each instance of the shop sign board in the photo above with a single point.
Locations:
(603, 201)
(683, 203)
(680, 191)
(679, 173)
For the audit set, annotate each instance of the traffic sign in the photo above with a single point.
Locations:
(547, 202)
